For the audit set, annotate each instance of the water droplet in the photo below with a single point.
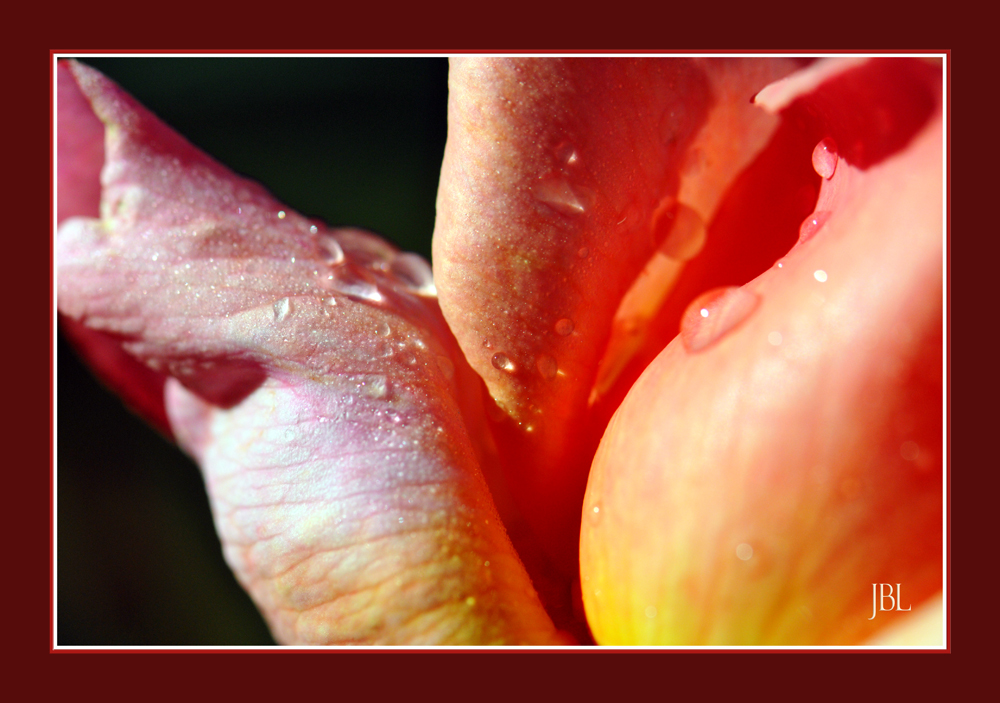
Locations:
(502, 362)
(713, 314)
(812, 224)
(330, 250)
(561, 196)
(374, 386)
(281, 214)
(825, 158)
(774, 338)
(909, 450)
(567, 154)
(313, 229)
(779, 265)
(682, 230)
(564, 327)
(470, 601)
(365, 249)
(583, 252)
(820, 275)
(650, 611)
(744, 551)
(383, 329)
(356, 287)
(447, 366)
(547, 366)
(414, 272)
(282, 309)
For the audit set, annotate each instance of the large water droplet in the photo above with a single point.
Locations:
(356, 287)
(714, 314)
(813, 224)
(547, 366)
(282, 309)
(365, 249)
(502, 362)
(825, 158)
(564, 327)
(374, 386)
(567, 154)
(561, 196)
(330, 250)
(447, 366)
(682, 230)
(414, 272)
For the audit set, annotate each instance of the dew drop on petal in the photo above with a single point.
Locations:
(356, 287)
(909, 450)
(564, 327)
(447, 366)
(375, 386)
(744, 551)
(414, 272)
(583, 252)
(558, 194)
(330, 250)
(502, 362)
(282, 309)
(683, 232)
(714, 314)
(825, 158)
(813, 224)
(547, 366)
(820, 275)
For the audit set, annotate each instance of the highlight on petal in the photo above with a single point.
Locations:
(313, 379)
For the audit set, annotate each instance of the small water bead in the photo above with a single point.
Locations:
(714, 314)
(547, 366)
(774, 338)
(583, 252)
(281, 214)
(502, 362)
(374, 386)
(414, 272)
(825, 158)
(567, 154)
(683, 232)
(558, 194)
(813, 224)
(447, 366)
(820, 275)
(330, 250)
(365, 249)
(282, 309)
(356, 287)
(564, 327)
(909, 450)
(744, 551)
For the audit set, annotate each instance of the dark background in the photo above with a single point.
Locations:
(353, 141)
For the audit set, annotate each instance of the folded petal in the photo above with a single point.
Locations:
(313, 378)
